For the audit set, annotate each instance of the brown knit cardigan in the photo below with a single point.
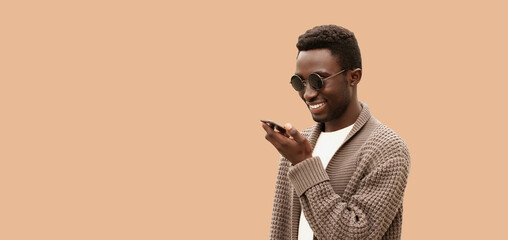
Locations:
(359, 194)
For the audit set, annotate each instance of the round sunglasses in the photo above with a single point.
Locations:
(315, 81)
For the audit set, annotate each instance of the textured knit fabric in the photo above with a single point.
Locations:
(359, 194)
(326, 146)
(328, 143)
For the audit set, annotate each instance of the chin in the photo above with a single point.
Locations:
(320, 119)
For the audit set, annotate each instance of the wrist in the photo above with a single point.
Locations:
(292, 164)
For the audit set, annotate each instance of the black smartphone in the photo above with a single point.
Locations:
(276, 126)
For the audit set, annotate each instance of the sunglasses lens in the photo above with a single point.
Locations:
(297, 83)
(315, 81)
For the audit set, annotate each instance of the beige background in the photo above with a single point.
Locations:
(139, 119)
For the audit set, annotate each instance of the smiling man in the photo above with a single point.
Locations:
(343, 178)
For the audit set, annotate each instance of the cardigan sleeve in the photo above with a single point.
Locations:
(378, 192)
(280, 227)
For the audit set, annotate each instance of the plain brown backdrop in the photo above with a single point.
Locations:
(139, 119)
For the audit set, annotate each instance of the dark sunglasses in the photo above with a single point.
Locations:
(315, 81)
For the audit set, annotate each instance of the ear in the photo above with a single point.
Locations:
(355, 76)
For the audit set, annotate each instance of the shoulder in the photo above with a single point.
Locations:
(386, 137)
(384, 144)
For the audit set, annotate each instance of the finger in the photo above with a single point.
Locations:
(276, 129)
(266, 127)
(273, 136)
(299, 138)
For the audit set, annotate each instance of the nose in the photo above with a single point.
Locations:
(309, 93)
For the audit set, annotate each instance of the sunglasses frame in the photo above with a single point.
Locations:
(318, 83)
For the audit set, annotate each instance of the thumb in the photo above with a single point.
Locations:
(299, 138)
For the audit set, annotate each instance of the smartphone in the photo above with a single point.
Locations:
(276, 126)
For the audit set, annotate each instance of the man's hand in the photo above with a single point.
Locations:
(295, 149)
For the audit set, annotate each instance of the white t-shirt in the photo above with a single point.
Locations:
(327, 144)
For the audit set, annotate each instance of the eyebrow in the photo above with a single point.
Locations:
(320, 73)
(300, 76)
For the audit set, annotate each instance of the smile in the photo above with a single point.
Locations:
(316, 106)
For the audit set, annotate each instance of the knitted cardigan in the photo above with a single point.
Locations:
(359, 194)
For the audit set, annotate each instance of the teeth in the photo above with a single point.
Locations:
(316, 106)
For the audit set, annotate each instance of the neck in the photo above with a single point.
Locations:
(349, 117)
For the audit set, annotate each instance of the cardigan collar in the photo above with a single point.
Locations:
(364, 116)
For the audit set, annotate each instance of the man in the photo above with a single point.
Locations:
(348, 172)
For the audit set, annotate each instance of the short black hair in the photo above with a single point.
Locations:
(340, 41)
